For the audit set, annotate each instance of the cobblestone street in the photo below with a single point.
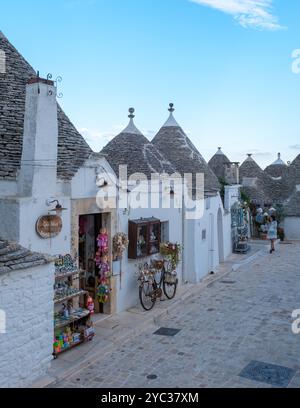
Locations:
(243, 318)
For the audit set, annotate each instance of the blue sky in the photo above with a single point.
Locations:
(225, 64)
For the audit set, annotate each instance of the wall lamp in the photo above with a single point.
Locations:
(58, 209)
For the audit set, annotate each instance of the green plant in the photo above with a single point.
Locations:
(223, 183)
(281, 234)
(280, 215)
(244, 197)
(171, 252)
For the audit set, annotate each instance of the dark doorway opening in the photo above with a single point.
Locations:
(89, 227)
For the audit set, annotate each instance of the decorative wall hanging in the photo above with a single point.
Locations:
(49, 226)
(120, 244)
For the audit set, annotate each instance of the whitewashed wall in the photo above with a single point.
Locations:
(127, 293)
(227, 234)
(292, 228)
(202, 242)
(26, 348)
(30, 210)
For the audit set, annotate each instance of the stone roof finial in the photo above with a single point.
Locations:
(171, 107)
(131, 128)
(171, 122)
(131, 113)
(279, 155)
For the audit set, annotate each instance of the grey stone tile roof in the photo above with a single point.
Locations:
(291, 176)
(272, 190)
(14, 257)
(72, 148)
(133, 149)
(218, 162)
(292, 206)
(266, 190)
(275, 170)
(174, 144)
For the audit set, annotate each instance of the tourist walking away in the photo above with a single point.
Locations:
(272, 232)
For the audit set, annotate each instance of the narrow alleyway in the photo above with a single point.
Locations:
(241, 319)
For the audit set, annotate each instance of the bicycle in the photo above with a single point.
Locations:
(151, 287)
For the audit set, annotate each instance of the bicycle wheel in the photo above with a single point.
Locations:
(170, 288)
(147, 295)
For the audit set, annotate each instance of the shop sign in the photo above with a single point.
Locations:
(49, 226)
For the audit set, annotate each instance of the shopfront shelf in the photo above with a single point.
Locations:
(55, 354)
(62, 299)
(66, 275)
(71, 320)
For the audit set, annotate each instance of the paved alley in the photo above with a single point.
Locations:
(234, 333)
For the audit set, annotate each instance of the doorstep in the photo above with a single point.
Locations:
(110, 331)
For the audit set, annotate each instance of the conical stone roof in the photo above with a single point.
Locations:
(72, 148)
(292, 206)
(291, 177)
(174, 144)
(276, 169)
(218, 163)
(133, 149)
(263, 189)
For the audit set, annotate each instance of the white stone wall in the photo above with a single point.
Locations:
(26, 296)
(227, 234)
(127, 292)
(33, 208)
(231, 196)
(202, 240)
(292, 227)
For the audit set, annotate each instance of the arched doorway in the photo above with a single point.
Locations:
(220, 236)
(211, 248)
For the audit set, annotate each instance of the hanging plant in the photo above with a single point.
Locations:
(120, 243)
(171, 252)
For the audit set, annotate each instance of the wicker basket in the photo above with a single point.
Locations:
(170, 277)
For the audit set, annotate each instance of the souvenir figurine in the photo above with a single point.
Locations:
(103, 293)
(98, 258)
(104, 265)
(102, 241)
(90, 305)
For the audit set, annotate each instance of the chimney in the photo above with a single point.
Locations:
(39, 154)
(232, 173)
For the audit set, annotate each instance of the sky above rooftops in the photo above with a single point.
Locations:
(225, 64)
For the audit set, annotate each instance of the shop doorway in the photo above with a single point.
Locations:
(89, 228)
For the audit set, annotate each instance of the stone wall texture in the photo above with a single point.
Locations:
(26, 297)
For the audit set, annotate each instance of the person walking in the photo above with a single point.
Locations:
(272, 232)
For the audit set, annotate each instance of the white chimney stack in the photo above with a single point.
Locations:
(39, 154)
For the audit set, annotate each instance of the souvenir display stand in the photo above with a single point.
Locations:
(239, 229)
(72, 308)
(104, 270)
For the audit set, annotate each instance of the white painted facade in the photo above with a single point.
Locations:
(26, 297)
(206, 241)
(292, 228)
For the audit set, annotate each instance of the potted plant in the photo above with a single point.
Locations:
(281, 234)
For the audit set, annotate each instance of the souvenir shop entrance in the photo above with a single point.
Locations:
(93, 255)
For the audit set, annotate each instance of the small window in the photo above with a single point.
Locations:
(204, 235)
(207, 201)
(144, 237)
(165, 231)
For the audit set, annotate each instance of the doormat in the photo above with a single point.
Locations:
(165, 331)
(272, 374)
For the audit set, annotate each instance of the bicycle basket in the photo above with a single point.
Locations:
(171, 277)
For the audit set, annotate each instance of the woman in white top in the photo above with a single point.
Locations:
(272, 232)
